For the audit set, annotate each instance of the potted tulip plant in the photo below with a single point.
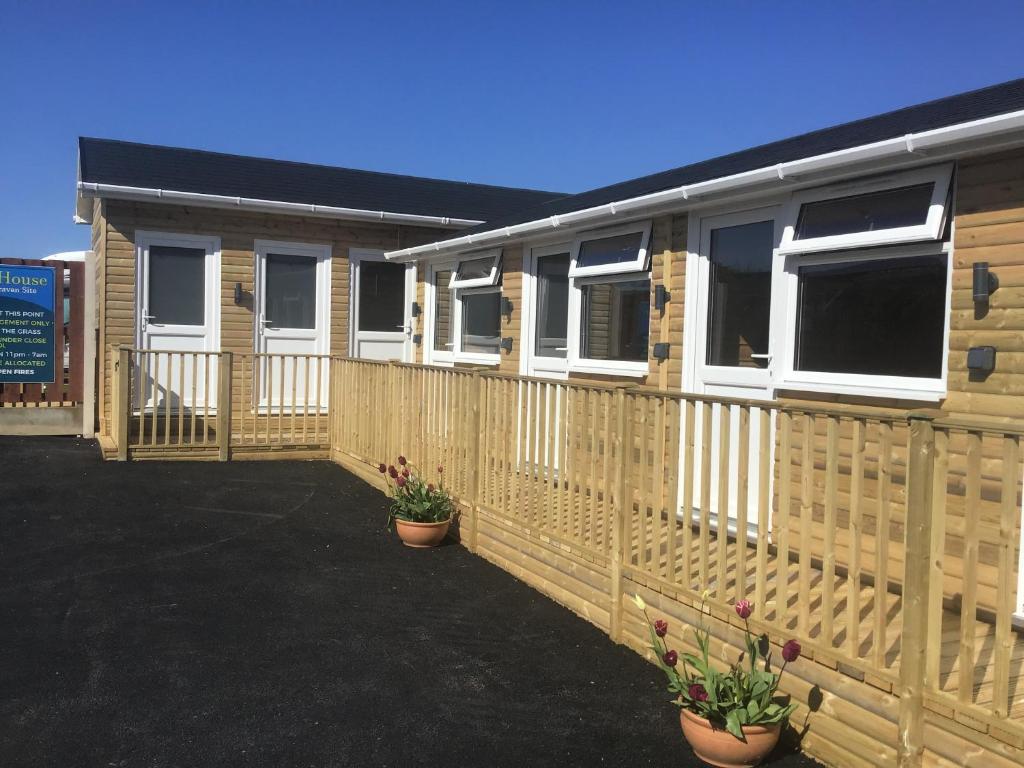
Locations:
(421, 511)
(731, 719)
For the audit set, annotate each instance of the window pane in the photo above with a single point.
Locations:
(290, 291)
(619, 249)
(177, 285)
(381, 296)
(481, 321)
(444, 339)
(474, 269)
(904, 207)
(616, 319)
(740, 291)
(885, 317)
(552, 305)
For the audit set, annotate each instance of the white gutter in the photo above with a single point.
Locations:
(923, 143)
(92, 189)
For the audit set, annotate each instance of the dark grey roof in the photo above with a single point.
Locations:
(974, 105)
(123, 163)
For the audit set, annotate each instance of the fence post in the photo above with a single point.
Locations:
(473, 454)
(620, 512)
(224, 405)
(121, 407)
(915, 633)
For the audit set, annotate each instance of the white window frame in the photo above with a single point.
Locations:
(867, 385)
(430, 355)
(639, 264)
(464, 288)
(938, 175)
(579, 364)
(481, 358)
(477, 282)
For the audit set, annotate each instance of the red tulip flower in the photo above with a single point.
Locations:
(400, 482)
(661, 627)
(405, 472)
(670, 658)
(440, 469)
(743, 608)
(698, 692)
(401, 460)
(430, 487)
(383, 468)
(791, 650)
(392, 471)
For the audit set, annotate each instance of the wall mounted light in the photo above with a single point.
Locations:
(984, 283)
(660, 351)
(416, 309)
(506, 307)
(506, 343)
(981, 360)
(239, 293)
(662, 296)
(417, 339)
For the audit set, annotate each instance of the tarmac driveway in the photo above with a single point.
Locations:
(200, 614)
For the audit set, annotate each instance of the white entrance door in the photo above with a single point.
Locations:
(177, 309)
(733, 340)
(546, 341)
(381, 306)
(292, 321)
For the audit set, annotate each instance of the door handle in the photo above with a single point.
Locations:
(146, 319)
(405, 328)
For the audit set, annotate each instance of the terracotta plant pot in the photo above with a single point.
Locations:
(421, 535)
(721, 748)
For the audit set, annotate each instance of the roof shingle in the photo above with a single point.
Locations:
(106, 161)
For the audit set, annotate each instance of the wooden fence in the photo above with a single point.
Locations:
(861, 535)
(887, 544)
(207, 404)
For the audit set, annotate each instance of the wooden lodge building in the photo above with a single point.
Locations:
(794, 373)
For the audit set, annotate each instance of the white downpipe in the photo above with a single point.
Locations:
(93, 189)
(923, 143)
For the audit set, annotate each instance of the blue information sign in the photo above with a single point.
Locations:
(27, 333)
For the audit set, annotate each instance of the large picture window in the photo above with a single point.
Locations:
(878, 317)
(867, 287)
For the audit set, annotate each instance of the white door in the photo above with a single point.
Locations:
(546, 342)
(733, 340)
(177, 309)
(381, 306)
(544, 350)
(292, 321)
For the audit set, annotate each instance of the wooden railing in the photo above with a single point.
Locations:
(871, 538)
(194, 403)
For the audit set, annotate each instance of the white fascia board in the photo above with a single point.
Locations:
(991, 129)
(92, 189)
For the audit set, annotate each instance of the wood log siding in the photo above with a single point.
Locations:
(114, 226)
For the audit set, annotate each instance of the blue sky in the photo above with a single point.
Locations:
(563, 96)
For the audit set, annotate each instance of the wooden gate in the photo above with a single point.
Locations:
(66, 405)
